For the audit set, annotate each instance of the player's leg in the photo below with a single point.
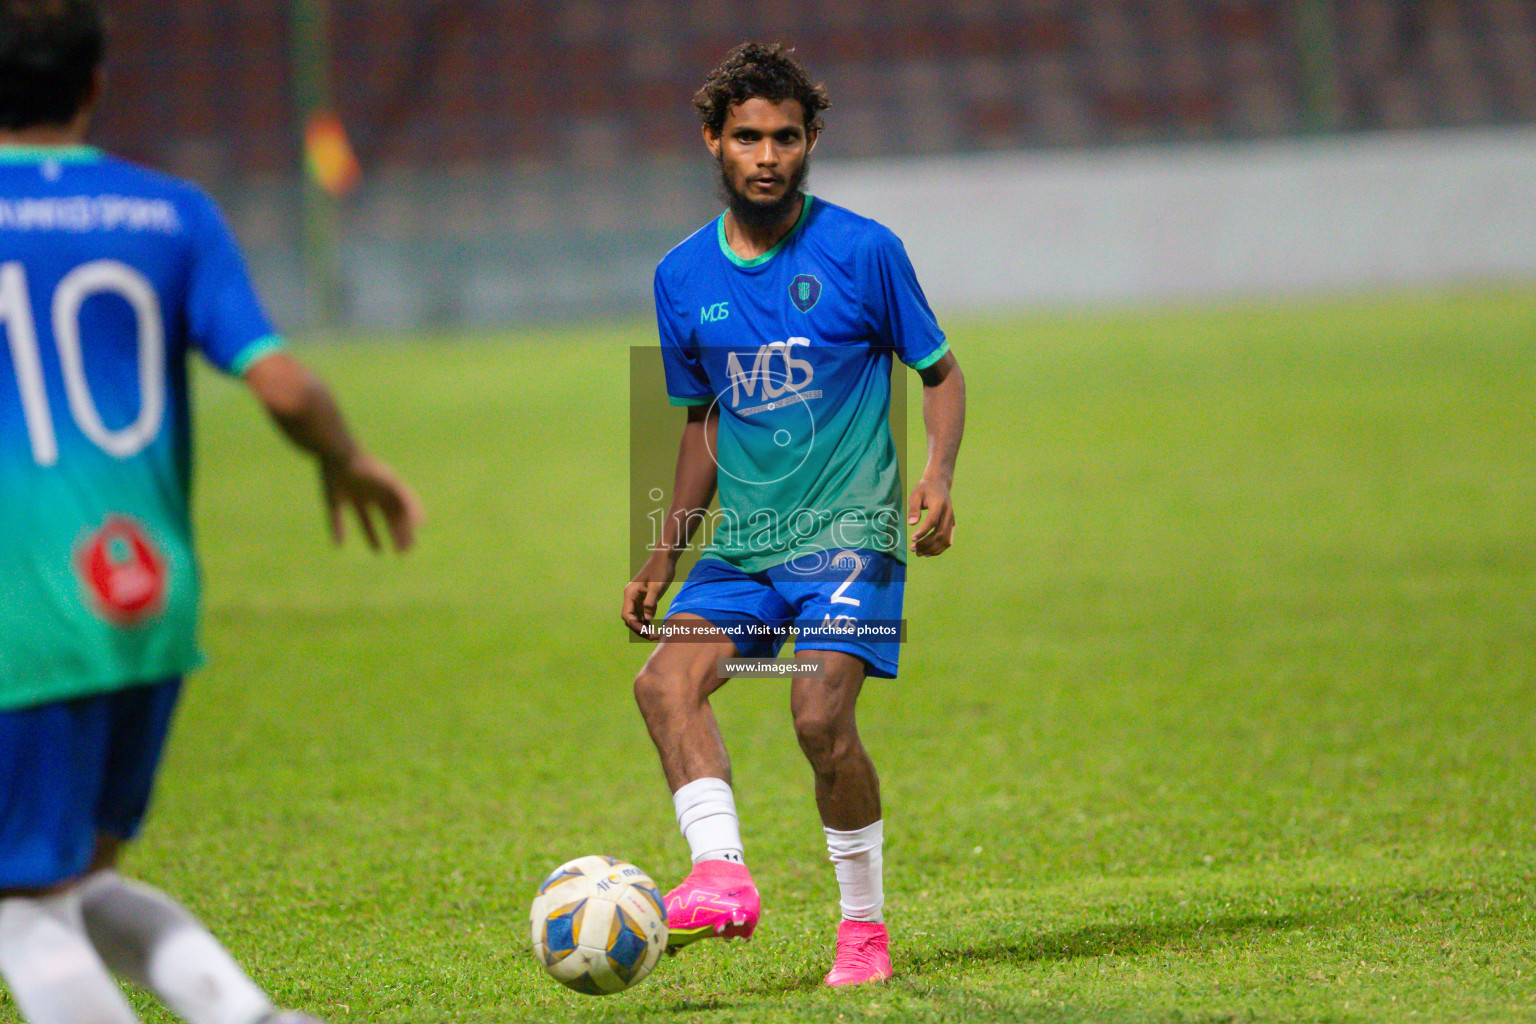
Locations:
(673, 690)
(847, 787)
(141, 933)
(849, 616)
(823, 705)
(718, 898)
(149, 938)
(50, 769)
(723, 611)
(848, 799)
(53, 972)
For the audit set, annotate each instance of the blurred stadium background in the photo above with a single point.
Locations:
(529, 159)
(1220, 710)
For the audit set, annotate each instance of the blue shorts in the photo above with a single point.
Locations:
(837, 601)
(72, 769)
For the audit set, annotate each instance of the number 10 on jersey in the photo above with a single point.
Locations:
(94, 278)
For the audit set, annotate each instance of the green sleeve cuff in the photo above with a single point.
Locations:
(932, 357)
(254, 353)
(674, 400)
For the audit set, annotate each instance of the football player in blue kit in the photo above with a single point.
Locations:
(779, 322)
(110, 276)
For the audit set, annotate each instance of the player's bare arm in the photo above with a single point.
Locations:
(306, 411)
(693, 487)
(944, 421)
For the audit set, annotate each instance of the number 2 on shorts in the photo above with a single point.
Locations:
(843, 558)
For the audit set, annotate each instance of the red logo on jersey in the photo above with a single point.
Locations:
(123, 571)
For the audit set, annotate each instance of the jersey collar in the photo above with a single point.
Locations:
(38, 154)
(757, 261)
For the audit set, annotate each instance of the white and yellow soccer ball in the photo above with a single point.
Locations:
(598, 925)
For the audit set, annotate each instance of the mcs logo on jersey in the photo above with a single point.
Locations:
(123, 572)
(775, 379)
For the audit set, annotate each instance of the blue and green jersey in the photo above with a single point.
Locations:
(795, 349)
(110, 275)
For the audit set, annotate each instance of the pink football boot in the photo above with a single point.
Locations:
(716, 899)
(863, 954)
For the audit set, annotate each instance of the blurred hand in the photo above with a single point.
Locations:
(930, 503)
(643, 593)
(370, 488)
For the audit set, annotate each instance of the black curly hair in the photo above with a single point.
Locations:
(49, 53)
(758, 71)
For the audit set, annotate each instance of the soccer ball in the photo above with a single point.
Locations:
(598, 925)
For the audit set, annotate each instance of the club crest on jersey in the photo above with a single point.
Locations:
(123, 572)
(804, 290)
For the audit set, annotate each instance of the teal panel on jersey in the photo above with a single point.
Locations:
(109, 276)
(795, 350)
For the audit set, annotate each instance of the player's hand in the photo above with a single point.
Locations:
(370, 488)
(643, 593)
(930, 503)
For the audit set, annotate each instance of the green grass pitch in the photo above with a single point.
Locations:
(1221, 709)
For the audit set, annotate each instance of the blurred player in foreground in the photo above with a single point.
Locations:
(109, 276)
(778, 324)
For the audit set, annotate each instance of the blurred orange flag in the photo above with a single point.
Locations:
(329, 154)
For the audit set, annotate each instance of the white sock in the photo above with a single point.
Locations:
(856, 857)
(706, 813)
(53, 973)
(153, 941)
